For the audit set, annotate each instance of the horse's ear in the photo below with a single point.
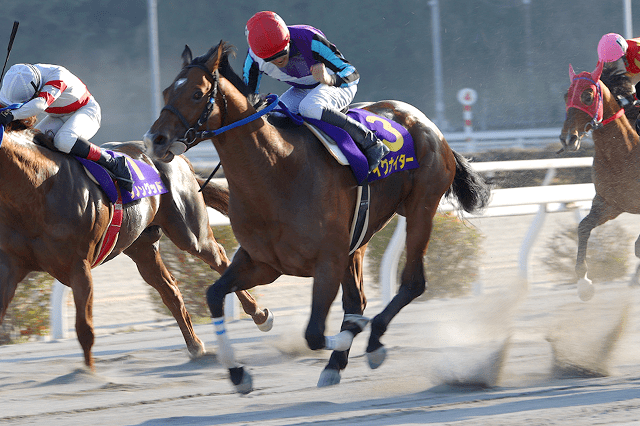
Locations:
(214, 60)
(595, 75)
(187, 56)
(572, 73)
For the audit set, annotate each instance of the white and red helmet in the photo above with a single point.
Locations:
(20, 84)
(611, 47)
(267, 35)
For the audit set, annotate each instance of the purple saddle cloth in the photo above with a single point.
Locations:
(146, 180)
(395, 136)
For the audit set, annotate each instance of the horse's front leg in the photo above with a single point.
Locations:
(600, 213)
(242, 274)
(10, 276)
(353, 303)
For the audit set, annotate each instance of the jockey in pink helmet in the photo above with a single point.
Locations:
(69, 112)
(612, 47)
(625, 54)
(323, 81)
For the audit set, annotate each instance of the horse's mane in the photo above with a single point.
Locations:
(619, 84)
(225, 70)
(27, 124)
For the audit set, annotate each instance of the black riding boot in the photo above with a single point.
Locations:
(372, 147)
(117, 166)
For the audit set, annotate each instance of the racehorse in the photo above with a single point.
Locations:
(592, 106)
(53, 217)
(291, 204)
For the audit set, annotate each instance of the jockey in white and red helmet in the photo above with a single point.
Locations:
(323, 81)
(71, 113)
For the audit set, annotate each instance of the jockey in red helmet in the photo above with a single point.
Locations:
(323, 81)
(71, 113)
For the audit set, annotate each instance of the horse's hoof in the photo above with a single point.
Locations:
(328, 377)
(585, 289)
(241, 380)
(377, 357)
(268, 324)
(197, 352)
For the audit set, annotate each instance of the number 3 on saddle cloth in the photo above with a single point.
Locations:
(146, 182)
(395, 136)
(343, 148)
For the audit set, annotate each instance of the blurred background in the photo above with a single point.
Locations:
(514, 54)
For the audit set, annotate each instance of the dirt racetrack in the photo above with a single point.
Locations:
(512, 355)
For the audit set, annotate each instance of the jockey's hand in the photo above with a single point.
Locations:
(319, 72)
(6, 117)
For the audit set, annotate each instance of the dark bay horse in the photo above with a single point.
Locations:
(53, 216)
(291, 204)
(591, 106)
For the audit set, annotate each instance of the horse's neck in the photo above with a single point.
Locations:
(256, 149)
(616, 142)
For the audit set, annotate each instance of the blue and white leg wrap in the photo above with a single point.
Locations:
(225, 354)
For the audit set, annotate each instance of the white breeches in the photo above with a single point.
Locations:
(83, 123)
(311, 102)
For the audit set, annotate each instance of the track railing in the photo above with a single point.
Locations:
(504, 202)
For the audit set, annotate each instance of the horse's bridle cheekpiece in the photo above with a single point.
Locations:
(191, 134)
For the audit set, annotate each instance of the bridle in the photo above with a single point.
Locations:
(595, 111)
(192, 133)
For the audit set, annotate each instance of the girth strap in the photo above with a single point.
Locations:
(360, 217)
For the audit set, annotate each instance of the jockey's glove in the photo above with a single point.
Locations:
(6, 117)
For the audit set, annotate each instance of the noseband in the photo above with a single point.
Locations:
(192, 134)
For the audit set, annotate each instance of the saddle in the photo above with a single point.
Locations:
(146, 183)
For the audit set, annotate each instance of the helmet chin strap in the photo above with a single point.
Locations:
(36, 84)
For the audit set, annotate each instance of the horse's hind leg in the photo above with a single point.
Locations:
(600, 213)
(412, 283)
(144, 252)
(81, 284)
(353, 303)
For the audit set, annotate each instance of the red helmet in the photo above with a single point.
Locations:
(267, 34)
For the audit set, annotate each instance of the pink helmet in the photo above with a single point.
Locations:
(267, 35)
(611, 47)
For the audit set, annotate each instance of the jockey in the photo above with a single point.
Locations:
(323, 82)
(72, 115)
(626, 56)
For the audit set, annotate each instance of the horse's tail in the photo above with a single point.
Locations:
(469, 187)
(215, 195)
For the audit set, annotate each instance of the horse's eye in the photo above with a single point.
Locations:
(198, 95)
(587, 97)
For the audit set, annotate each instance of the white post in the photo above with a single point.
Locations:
(58, 311)
(441, 120)
(628, 22)
(390, 259)
(154, 59)
(532, 233)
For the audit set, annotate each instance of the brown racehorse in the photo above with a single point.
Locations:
(291, 204)
(591, 106)
(52, 217)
